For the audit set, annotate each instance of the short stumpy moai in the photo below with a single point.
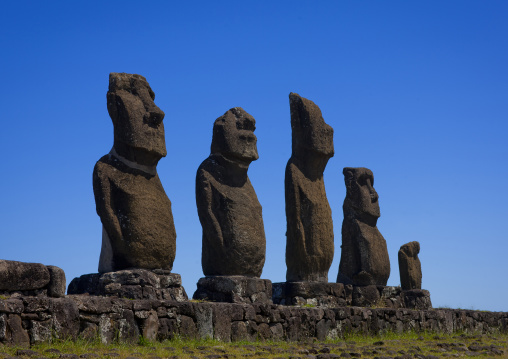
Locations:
(364, 259)
(138, 229)
(410, 267)
(410, 270)
(309, 235)
(234, 244)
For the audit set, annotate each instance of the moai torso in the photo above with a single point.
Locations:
(229, 211)
(138, 227)
(410, 267)
(309, 244)
(364, 257)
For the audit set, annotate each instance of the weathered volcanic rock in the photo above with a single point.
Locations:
(131, 283)
(22, 276)
(228, 208)
(309, 245)
(410, 267)
(234, 289)
(364, 258)
(138, 227)
(57, 282)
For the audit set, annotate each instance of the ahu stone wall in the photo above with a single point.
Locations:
(29, 320)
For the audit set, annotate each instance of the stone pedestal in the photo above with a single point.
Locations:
(390, 297)
(234, 289)
(312, 293)
(417, 299)
(131, 284)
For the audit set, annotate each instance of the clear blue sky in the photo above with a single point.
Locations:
(417, 91)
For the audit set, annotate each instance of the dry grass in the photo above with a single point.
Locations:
(408, 345)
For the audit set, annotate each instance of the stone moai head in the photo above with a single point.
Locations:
(137, 121)
(361, 197)
(310, 133)
(411, 249)
(234, 138)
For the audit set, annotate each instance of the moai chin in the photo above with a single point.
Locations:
(410, 267)
(138, 228)
(229, 211)
(364, 258)
(309, 243)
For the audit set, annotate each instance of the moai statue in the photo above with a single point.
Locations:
(229, 211)
(364, 258)
(138, 228)
(309, 244)
(410, 267)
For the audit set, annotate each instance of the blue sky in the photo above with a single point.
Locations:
(415, 90)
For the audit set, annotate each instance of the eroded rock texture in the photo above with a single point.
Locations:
(32, 279)
(410, 267)
(309, 245)
(138, 228)
(364, 258)
(228, 208)
(21, 276)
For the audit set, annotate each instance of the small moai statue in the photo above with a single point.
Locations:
(229, 211)
(410, 267)
(364, 258)
(138, 228)
(309, 243)
(234, 241)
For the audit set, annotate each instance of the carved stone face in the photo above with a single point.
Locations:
(360, 191)
(310, 132)
(136, 118)
(233, 136)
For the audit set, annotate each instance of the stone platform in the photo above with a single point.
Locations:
(32, 320)
(312, 293)
(339, 295)
(390, 297)
(131, 284)
(234, 289)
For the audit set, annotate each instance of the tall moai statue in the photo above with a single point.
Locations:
(309, 244)
(234, 241)
(364, 258)
(410, 267)
(138, 227)
(229, 211)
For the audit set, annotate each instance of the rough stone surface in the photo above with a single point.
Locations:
(234, 289)
(57, 282)
(132, 284)
(309, 245)
(410, 267)
(417, 299)
(312, 293)
(33, 320)
(20, 276)
(138, 228)
(229, 211)
(364, 258)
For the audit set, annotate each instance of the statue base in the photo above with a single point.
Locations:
(234, 289)
(390, 297)
(132, 284)
(339, 295)
(312, 294)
